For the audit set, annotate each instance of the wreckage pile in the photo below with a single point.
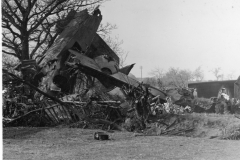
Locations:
(76, 82)
(100, 110)
(68, 109)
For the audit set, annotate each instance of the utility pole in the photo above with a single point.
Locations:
(141, 72)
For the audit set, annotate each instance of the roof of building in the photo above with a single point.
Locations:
(213, 82)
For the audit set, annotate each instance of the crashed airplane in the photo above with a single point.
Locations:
(79, 47)
(80, 56)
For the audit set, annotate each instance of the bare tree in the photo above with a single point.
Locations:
(177, 77)
(198, 74)
(158, 74)
(104, 30)
(29, 25)
(151, 81)
(230, 76)
(115, 45)
(172, 77)
(217, 74)
(185, 76)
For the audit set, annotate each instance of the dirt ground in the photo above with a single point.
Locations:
(74, 143)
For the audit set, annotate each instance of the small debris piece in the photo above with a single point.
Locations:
(101, 136)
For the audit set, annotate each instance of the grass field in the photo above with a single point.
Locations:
(74, 143)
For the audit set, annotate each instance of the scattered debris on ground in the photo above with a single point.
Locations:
(101, 136)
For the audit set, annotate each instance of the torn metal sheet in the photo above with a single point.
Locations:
(127, 69)
(119, 79)
(84, 60)
(78, 35)
(101, 63)
(81, 29)
(100, 47)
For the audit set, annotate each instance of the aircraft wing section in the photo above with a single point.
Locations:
(84, 60)
(119, 79)
(125, 78)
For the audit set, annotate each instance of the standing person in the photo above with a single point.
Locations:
(223, 94)
(223, 98)
(195, 95)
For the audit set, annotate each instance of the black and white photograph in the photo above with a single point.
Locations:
(120, 80)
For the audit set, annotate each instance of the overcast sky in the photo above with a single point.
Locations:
(183, 34)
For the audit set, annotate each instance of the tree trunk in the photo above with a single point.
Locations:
(25, 46)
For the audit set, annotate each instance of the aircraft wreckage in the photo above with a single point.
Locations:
(79, 59)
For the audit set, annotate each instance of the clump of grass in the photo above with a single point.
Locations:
(209, 125)
(231, 133)
(213, 120)
(203, 125)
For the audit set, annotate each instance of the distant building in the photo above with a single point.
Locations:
(213, 88)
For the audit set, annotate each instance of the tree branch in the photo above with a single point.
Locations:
(10, 53)
(46, 15)
(13, 13)
(11, 19)
(8, 27)
(8, 46)
(20, 6)
(39, 43)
